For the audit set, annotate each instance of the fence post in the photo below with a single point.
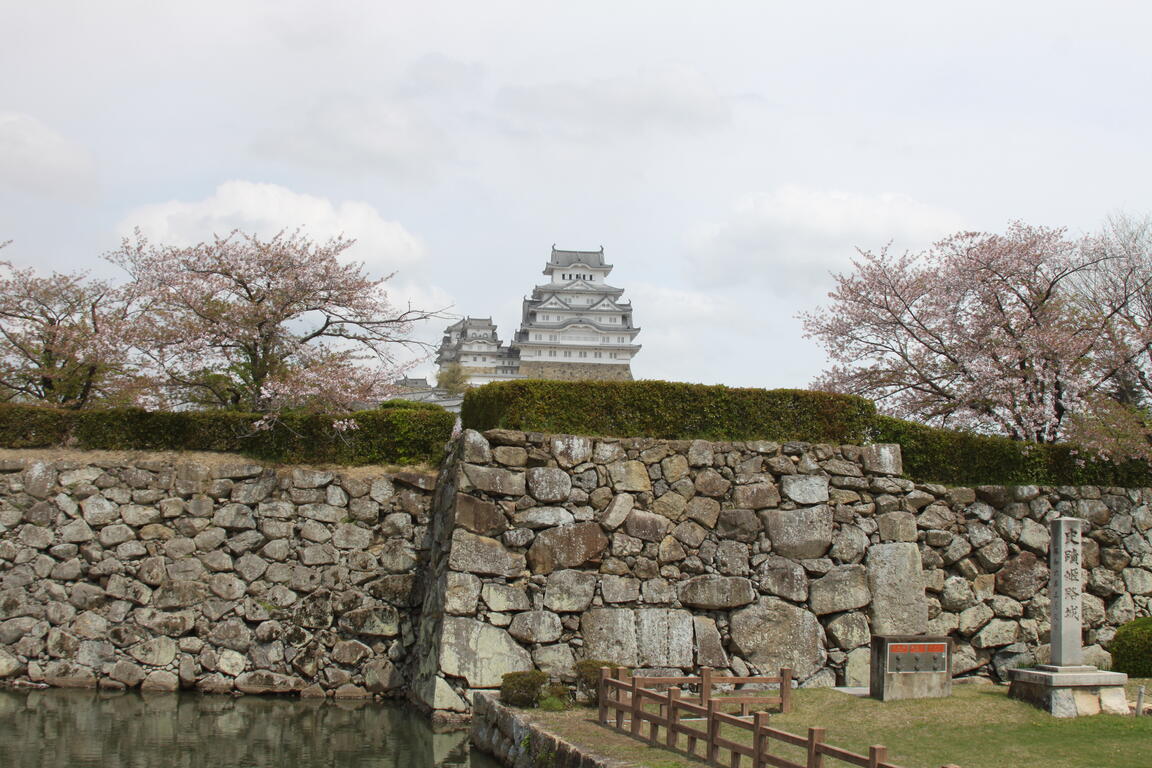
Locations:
(602, 697)
(620, 673)
(759, 739)
(673, 717)
(785, 690)
(877, 754)
(636, 707)
(713, 731)
(705, 686)
(815, 757)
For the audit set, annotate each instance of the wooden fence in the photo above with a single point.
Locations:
(621, 694)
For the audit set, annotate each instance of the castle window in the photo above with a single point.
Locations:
(583, 353)
(567, 353)
(599, 354)
(551, 353)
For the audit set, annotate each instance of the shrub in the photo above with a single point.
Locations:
(23, 426)
(416, 404)
(390, 436)
(962, 458)
(557, 698)
(1132, 648)
(671, 410)
(588, 678)
(522, 689)
(674, 410)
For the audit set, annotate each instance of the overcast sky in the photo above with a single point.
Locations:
(727, 155)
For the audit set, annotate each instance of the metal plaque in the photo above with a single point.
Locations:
(917, 657)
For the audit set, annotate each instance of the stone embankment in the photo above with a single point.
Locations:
(749, 557)
(534, 551)
(223, 577)
(516, 741)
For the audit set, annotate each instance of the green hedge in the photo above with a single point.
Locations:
(962, 458)
(388, 436)
(670, 410)
(687, 411)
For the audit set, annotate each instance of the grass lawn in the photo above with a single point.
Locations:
(978, 727)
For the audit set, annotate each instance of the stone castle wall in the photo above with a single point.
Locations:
(169, 573)
(575, 371)
(533, 550)
(747, 556)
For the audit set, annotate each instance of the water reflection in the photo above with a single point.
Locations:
(54, 728)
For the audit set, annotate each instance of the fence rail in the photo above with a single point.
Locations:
(623, 695)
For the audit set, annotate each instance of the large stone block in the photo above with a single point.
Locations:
(738, 525)
(1022, 576)
(713, 592)
(781, 576)
(567, 547)
(556, 661)
(709, 645)
(506, 598)
(571, 450)
(461, 591)
(841, 589)
(896, 581)
(648, 526)
(883, 459)
(610, 635)
(535, 627)
(756, 496)
(499, 481)
(800, 533)
(805, 489)
(480, 554)
(479, 516)
(629, 476)
(478, 652)
(475, 448)
(773, 634)
(548, 484)
(569, 591)
(849, 630)
(664, 637)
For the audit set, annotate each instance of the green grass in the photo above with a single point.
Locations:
(978, 727)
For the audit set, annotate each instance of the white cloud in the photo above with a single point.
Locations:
(265, 209)
(788, 240)
(647, 102)
(36, 158)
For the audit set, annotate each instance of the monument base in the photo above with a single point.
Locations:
(1070, 691)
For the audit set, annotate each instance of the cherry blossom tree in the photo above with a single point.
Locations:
(989, 332)
(264, 324)
(65, 340)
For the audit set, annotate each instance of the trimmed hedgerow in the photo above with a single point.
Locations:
(673, 410)
(389, 436)
(666, 409)
(1131, 648)
(403, 403)
(962, 458)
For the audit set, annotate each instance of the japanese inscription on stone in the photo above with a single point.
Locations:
(1065, 589)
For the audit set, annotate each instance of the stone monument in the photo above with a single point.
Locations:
(1066, 687)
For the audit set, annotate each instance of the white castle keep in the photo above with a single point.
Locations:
(574, 326)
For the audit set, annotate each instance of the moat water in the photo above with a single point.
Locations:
(56, 728)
